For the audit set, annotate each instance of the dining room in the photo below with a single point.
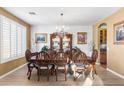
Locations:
(60, 46)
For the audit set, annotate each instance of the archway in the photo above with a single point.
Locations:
(102, 43)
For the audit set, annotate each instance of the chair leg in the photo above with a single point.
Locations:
(74, 78)
(94, 68)
(65, 77)
(38, 73)
(74, 72)
(65, 74)
(95, 72)
(56, 74)
(28, 65)
(30, 70)
(92, 72)
(49, 72)
(74, 75)
(83, 72)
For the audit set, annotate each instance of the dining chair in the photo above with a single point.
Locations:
(61, 62)
(30, 63)
(52, 67)
(43, 59)
(80, 60)
(92, 62)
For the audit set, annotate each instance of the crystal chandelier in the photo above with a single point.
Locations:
(60, 30)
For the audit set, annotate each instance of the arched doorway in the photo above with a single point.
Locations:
(102, 43)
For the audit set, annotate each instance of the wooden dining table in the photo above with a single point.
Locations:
(48, 62)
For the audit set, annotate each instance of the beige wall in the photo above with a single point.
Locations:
(115, 53)
(6, 67)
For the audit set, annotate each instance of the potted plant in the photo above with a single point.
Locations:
(44, 48)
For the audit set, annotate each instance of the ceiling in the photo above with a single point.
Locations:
(72, 15)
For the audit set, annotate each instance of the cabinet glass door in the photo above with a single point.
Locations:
(56, 43)
(66, 42)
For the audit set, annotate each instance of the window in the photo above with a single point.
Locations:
(12, 39)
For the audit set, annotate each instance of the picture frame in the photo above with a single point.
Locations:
(119, 33)
(82, 38)
(41, 37)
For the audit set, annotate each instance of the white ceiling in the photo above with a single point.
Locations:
(72, 15)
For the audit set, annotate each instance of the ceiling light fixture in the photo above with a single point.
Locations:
(60, 29)
(32, 13)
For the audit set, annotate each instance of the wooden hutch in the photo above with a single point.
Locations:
(60, 42)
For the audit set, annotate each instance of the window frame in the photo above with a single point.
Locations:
(23, 30)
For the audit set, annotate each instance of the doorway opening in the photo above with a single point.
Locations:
(102, 44)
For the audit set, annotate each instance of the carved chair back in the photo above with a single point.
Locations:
(28, 55)
(52, 53)
(80, 58)
(94, 55)
(42, 57)
(61, 58)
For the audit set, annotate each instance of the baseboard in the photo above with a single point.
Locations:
(117, 74)
(12, 71)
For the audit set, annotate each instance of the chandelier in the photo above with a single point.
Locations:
(60, 29)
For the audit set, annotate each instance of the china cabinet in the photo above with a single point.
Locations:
(61, 43)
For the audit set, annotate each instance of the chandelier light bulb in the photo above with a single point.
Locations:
(56, 28)
(63, 26)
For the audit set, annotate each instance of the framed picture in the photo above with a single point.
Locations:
(119, 33)
(82, 37)
(40, 37)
